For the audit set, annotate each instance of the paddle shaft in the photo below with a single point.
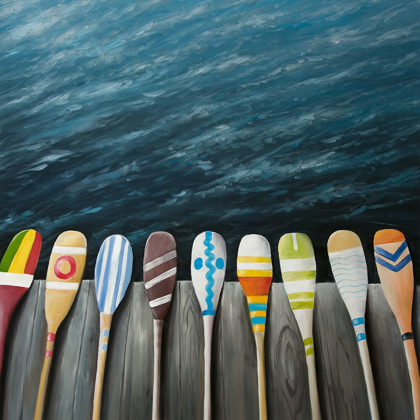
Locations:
(4, 325)
(313, 388)
(40, 401)
(9, 298)
(370, 384)
(413, 369)
(105, 326)
(157, 350)
(262, 399)
(208, 321)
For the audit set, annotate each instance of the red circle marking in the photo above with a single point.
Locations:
(57, 267)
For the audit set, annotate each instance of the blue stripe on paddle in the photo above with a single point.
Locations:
(389, 255)
(118, 275)
(394, 268)
(358, 321)
(361, 337)
(209, 312)
(258, 320)
(257, 307)
(105, 273)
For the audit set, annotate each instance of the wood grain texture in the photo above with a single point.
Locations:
(128, 378)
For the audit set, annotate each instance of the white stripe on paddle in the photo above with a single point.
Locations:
(69, 250)
(297, 264)
(124, 270)
(158, 279)
(113, 272)
(56, 285)
(158, 261)
(357, 251)
(15, 279)
(254, 266)
(160, 301)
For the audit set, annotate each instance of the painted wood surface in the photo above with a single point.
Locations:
(349, 268)
(65, 271)
(159, 273)
(298, 270)
(255, 274)
(113, 269)
(16, 276)
(395, 269)
(128, 381)
(208, 267)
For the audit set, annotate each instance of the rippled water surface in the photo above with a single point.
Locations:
(268, 117)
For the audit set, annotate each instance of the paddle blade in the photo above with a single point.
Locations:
(255, 273)
(159, 271)
(65, 270)
(395, 269)
(208, 266)
(21, 256)
(113, 269)
(348, 265)
(298, 270)
(20, 259)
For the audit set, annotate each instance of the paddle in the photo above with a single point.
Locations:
(395, 269)
(65, 270)
(159, 271)
(298, 269)
(208, 265)
(348, 265)
(16, 275)
(255, 273)
(113, 269)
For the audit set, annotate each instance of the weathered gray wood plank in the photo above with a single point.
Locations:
(170, 392)
(137, 386)
(389, 366)
(287, 379)
(128, 378)
(115, 373)
(341, 384)
(235, 391)
(191, 373)
(64, 379)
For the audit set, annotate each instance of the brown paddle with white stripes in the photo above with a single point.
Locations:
(159, 270)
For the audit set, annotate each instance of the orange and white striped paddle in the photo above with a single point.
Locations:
(255, 273)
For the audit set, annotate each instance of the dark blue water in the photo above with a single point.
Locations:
(267, 117)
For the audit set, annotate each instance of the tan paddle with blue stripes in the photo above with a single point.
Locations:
(348, 265)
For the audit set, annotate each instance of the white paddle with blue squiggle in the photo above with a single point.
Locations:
(112, 277)
(208, 266)
(348, 265)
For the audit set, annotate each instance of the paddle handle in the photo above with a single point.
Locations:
(208, 321)
(157, 350)
(42, 389)
(370, 384)
(4, 325)
(413, 369)
(313, 387)
(105, 326)
(262, 398)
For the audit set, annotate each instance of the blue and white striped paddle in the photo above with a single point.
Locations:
(113, 269)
